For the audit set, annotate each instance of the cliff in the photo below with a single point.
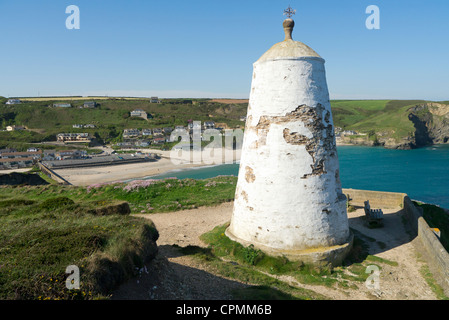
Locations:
(413, 126)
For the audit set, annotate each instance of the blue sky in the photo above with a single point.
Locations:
(206, 48)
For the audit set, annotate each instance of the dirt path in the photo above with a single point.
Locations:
(176, 276)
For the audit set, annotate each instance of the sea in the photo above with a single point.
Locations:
(421, 173)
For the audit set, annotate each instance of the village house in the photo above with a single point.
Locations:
(11, 160)
(16, 155)
(194, 125)
(70, 154)
(14, 128)
(209, 125)
(159, 140)
(126, 144)
(154, 100)
(14, 163)
(80, 126)
(13, 101)
(89, 104)
(157, 132)
(139, 113)
(48, 155)
(62, 105)
(131, 133)
(143, 144)
(73, 137)
(7, 150)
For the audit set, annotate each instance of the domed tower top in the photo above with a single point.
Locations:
(288, 48)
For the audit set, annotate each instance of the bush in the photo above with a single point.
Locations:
(54, 203)
(120, 208)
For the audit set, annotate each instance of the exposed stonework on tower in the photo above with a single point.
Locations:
(249, 175)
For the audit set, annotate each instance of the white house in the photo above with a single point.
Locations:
(62, 105)
(139, 113)
(14, 128)
(13, 101)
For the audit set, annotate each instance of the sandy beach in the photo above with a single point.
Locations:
(169, 161)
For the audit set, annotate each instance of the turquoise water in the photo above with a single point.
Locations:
(421, 173)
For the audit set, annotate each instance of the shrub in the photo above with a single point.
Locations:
(54, 203)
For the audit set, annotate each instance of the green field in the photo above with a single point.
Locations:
(389, 116)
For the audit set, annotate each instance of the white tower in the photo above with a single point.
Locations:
(288, 199)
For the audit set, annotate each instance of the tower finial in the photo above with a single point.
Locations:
(289, 12)
(289, 23)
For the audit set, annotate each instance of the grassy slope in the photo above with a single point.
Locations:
(44, 229)
(110, 118)
(390, 116)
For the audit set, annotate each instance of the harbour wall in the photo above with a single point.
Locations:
(52, 174)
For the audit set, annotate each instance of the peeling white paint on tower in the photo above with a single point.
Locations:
(288, 199)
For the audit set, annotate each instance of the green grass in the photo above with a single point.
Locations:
(40, 238)
(436, 288)
(263, 286)
(167, 195)
(388, 116)
(153, 196)
(231, 259)
(44, 229)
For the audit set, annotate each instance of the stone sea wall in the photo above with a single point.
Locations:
(436, 254)
(376, 198)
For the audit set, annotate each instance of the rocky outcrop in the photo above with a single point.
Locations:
(431, 121)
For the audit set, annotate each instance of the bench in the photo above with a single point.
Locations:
(374, 217)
